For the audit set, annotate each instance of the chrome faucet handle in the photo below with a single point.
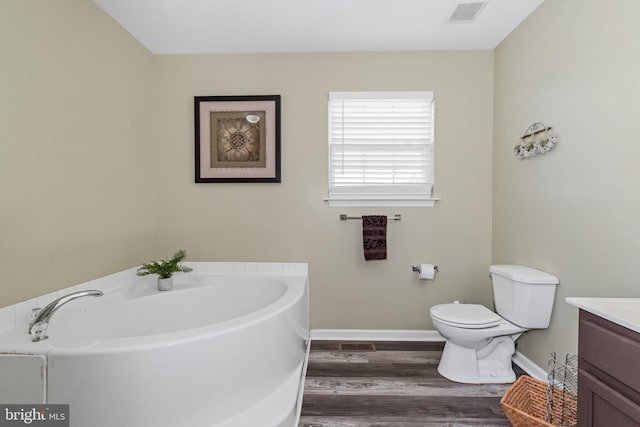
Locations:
(34, 313)
(39, 331)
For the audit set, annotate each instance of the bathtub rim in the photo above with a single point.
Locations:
(297, 286)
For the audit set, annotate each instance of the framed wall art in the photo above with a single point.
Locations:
(237, 138)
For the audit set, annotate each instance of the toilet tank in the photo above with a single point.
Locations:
(523, 295)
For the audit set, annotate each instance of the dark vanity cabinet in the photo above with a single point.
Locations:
(608, 374)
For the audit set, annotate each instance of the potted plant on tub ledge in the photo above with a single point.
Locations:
(165, 269)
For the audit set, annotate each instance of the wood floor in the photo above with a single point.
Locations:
(396, 385)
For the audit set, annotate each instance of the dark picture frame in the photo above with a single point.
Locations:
(237, 138)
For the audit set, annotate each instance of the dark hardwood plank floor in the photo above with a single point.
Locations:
(397, 385)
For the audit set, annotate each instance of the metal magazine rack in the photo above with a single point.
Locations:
(562, 391)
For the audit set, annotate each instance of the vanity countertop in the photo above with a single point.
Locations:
(622, 311)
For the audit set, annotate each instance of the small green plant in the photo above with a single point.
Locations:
(166, 267)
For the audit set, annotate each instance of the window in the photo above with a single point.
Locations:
(381, 148)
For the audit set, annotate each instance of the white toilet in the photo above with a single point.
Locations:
(480, 343)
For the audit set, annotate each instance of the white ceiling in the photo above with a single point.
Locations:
(271, 26)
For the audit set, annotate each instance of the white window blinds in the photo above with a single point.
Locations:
(380, 148)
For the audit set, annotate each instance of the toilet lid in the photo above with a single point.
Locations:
(473, 316)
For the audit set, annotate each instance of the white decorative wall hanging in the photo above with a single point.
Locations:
(538, 139)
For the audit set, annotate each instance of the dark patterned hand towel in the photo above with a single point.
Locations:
(374, 236)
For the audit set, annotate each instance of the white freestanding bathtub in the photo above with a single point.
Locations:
(214, 351)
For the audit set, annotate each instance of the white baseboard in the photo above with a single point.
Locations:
(529, 367)
(375, 335)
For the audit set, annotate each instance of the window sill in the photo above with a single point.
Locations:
(423, 203)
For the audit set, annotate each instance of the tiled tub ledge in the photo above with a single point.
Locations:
(18, 314)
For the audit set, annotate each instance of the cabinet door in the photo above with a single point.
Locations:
(610, 348)
(601, 406)
(22, 378)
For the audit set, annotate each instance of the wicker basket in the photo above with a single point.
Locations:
(525, 403)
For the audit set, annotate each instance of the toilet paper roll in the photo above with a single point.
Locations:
(426, 271)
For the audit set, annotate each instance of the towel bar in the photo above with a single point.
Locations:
(344, 217)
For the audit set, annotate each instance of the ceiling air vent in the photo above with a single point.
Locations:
(466, 12)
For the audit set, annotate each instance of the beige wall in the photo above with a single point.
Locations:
(291, 222)
(76, 160)
(574, 212)
(93, 125)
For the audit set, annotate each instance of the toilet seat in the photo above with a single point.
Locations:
(470, 316)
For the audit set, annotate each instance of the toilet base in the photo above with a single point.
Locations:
(488, 365)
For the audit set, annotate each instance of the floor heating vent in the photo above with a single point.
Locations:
(356, 346)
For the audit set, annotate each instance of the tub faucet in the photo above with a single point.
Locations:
(38, 326)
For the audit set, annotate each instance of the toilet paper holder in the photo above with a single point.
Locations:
(417, 268)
